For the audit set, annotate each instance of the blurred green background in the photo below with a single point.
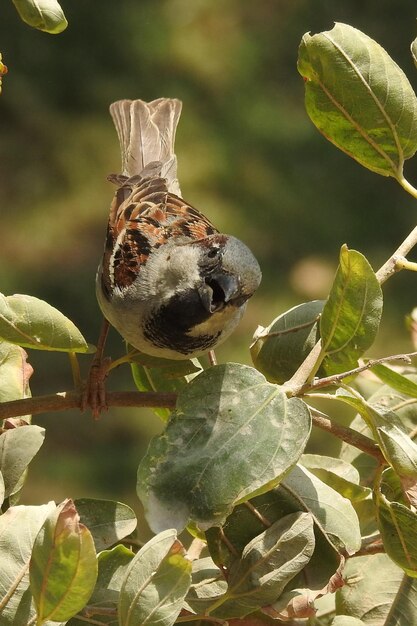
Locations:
(248, 157)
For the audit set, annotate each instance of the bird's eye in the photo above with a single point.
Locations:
(213, 252)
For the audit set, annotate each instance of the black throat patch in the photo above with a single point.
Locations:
(169, 326)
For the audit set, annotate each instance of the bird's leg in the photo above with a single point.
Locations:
(94, 394)
(212, 357)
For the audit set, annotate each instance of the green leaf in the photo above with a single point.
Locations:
(278, 350)
(267, 564)
(32, 323)
(207, 586)
(397, 447)
(156, 583)
(166, 375)
(378, 592)
(399, 450)
(112, 569)
(413, 49)
(397, 381)
(46, 15)
(335, 513)
(18, 446)
(359, 98)
(18, 529)
(108, 521)
(233, 435)
(352, 313)
(320, 574)
(63, 568)
(336, 473)
(2, 490)
(398, 528)
(345, 620)
(15, 372)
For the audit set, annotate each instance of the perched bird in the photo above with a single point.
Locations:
(169, 282)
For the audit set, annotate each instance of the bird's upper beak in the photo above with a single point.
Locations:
(218, 289)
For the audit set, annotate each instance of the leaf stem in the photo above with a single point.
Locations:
(407, 186)
(337, 378)
(75, 369)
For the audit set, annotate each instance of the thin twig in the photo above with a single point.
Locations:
(353, 437)
(391, 266)
(336, 378)
(258, 514)
(372, 548)
(72, 400)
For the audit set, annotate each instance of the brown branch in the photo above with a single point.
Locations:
(373, 548)
(353, 437)
(72, 400)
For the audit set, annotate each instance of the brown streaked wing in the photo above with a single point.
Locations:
(144, 216)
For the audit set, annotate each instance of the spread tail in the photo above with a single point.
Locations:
(146, 132)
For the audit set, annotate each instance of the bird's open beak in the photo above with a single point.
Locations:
(218, 290)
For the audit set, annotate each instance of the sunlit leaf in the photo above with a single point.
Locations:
(18, 446)
(278, 350)
(267, 564)
(207, 585)
(352, 313)
(15, 372)
(346, 620)
(233, 435)
(336, 473)
(32, 323)
(397, 447)
(156, 583)
(108, 521)
(63, 568)
(112, 569)
(18, 529)
(413, 49)
(46, 15)
(319, 576)
(394, 379)
(398, 527)
(377, 592)
(359, 98)
(334, 512)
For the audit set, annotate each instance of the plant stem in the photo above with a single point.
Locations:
(75, 369)
(350, 436)
(407, 186)
(391, 266)
(306, 371)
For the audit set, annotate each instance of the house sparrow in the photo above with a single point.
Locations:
(170, 283)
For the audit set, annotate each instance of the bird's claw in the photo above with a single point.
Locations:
(94, 393)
